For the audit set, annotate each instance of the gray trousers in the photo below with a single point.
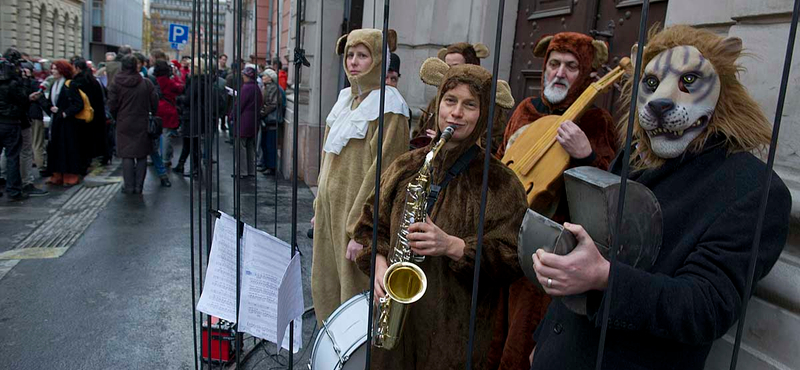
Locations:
(26, 158)
(133, 173)
(37, 142)
(247, 150)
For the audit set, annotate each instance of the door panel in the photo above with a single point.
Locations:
(613, 21)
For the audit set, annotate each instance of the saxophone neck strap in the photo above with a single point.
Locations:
(461, 164)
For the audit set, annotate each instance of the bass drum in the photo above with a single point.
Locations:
(340, 342)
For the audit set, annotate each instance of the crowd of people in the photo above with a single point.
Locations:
(65, 117)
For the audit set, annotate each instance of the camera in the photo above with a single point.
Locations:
(10, 65)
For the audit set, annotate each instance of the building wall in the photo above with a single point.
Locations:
(49, 29)
(420, 36)
(164, 12)
(773, 319)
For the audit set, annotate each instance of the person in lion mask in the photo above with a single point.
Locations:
(695, 132)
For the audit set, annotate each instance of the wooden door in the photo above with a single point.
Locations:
(613, 21)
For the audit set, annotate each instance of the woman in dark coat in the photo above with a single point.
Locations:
(170, 89)
(248, 115)
(130, 99)
(64, 158)
(94, 133)
(205, 107)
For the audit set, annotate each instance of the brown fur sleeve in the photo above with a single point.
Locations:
(524, 114)
(390, 181)
(395, 143)
(505, 207)
(599, 127)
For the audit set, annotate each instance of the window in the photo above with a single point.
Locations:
(97, 13)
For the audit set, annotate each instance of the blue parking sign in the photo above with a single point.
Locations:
(178, 33)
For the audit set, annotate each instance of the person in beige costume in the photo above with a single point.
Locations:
(347, 177)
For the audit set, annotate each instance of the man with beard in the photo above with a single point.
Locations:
(571, 62)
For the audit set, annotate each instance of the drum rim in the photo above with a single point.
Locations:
(346, 353)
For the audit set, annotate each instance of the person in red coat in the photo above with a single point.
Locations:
(170, 89)
(571, 61)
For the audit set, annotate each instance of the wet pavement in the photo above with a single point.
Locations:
(120, 297)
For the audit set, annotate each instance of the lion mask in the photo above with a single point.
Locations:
(689, 91)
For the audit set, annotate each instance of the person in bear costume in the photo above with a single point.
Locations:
(436, 331)
(349, 161)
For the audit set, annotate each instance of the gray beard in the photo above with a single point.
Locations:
(554, 95)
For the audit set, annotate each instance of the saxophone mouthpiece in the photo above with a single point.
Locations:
(448, 132)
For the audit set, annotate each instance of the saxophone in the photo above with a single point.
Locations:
(404, 281)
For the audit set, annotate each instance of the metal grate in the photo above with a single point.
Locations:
(61, 230)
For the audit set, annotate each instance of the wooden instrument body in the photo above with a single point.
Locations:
(539, 160)
(541, 181)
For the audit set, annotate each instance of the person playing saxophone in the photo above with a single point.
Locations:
(436, 330)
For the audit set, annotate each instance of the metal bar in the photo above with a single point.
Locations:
(485, 184)
(258, 119)
(191, 188)
(626, 156)
(237, 164)
(278, 126)
(298, 64)
(762, 208)
(319, 87)
(376, 203)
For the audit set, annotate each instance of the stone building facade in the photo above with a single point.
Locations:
(49, 29)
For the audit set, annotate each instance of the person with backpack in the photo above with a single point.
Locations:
(93, 133)
(65, 160)
(272, 113)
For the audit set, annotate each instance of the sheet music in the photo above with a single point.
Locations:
(291, 304)
(219, 288)
(266, 261)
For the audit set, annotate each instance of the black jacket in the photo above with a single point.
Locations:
(14, 101)
(668, 317)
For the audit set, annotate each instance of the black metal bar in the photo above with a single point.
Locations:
(485, 184)
(377, 202)
(191, 241)
(762, 208)
(278, 126)
(322, 124)
(258, 119)
(298, 64)
(237, 164)
(623, 185)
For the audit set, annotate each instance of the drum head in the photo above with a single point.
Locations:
(340, 342)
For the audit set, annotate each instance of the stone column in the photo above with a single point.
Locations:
(35, 36)
(47, 37)
(8, 25)
(24, 26)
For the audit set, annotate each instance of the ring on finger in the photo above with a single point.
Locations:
(549, 282)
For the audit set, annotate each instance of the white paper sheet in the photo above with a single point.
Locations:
(290, 303)
(266, 261)
(219, 288)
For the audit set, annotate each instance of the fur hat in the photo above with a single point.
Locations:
(473, 53)
(591, 55)
(269, 72)
(372, 39)
(436, 72)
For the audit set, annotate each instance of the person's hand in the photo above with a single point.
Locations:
(427, 239)
(380, 269)
(573, 140)
(352, 250)
(312, 221)
(430, 133)
(34, 96)
(54, 109)
(581, 270)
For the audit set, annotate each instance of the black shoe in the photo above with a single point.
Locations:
(126, 191)
(165, 182)
(261, 168)
(178, 168)
(18, 197)
(34, 191)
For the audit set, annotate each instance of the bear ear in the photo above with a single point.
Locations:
(340, 44)
(481, 50)
(600, 53)
(391, 40)
(541, 47)
(432, 71)
(730, 48)
(504, 97)
(634, 51)
(442, 53)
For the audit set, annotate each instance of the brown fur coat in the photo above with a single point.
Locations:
(437, 331)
